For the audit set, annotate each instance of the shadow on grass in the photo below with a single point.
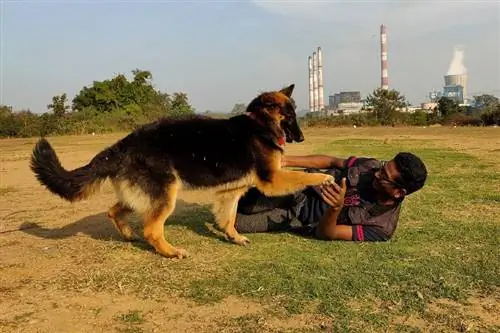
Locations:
(98, 226)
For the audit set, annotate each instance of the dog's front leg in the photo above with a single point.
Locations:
(224, 209)
(284, 182)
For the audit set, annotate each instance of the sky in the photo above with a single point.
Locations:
(226, 52)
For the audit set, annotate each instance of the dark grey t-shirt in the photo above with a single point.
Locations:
(370, 221)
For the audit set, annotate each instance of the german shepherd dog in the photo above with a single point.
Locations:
(148, 167)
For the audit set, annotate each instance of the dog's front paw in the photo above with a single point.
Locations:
(238, 239)
(181, 253)
(329, 180)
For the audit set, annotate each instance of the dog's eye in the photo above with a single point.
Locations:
(271, 105)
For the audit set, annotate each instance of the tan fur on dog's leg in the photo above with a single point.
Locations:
(284, 182)
(154, 221)
(224, 209)
(117, 214)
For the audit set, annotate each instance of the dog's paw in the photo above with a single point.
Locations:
(180, 254)
(329, 180)
(238, 239)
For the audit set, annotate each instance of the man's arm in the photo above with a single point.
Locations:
(327, 228)
(312, 161)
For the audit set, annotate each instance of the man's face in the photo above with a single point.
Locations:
(386, 181)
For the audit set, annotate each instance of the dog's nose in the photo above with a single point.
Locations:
(300, 138)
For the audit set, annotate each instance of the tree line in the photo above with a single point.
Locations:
(116, 104)
(119, 104)
(387, 108)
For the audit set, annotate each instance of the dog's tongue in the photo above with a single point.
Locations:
(282, 140)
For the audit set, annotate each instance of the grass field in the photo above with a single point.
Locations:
(63, 267)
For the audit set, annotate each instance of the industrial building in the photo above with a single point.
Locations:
(455, 80)
(347, 101)
(344, 97)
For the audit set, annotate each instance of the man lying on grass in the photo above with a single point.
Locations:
(364, 205)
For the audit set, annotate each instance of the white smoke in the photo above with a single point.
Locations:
(457, 66)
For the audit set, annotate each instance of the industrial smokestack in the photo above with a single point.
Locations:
(315, 82)
(321, 101)
(311, 83)
(384, 80)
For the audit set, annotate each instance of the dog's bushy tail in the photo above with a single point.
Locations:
(74, 185)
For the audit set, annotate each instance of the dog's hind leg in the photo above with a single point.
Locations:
(155, 218)
(117, 214)
(224, 209)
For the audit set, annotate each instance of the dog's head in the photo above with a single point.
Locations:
(278, 107)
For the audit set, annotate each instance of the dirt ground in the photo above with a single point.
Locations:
(31, 265)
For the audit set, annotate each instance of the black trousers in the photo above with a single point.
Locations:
(259, 213)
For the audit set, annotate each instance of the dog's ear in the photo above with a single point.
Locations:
(270, 105)
(288, 90)
(269, 100)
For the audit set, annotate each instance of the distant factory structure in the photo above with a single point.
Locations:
(349, 102)
(344, 102)
(384, 71)
(455, 82)
(316, 90)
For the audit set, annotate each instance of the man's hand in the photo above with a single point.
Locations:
(334, 194)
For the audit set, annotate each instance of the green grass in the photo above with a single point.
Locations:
(131, 320)
(132, 317)
(445, 247)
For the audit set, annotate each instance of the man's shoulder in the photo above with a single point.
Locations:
(361, 161)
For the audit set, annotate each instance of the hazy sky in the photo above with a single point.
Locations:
(225, 52)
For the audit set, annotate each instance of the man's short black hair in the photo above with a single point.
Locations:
(413, 172)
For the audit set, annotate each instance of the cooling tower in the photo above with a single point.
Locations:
(456, 80)
(457, 73)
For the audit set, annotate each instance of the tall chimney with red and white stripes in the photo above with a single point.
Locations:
(383, 58)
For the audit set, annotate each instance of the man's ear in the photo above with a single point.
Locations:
(288, 90)
(401, 193)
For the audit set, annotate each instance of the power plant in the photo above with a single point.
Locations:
(455, 80)
(316, 90)
(345, 102)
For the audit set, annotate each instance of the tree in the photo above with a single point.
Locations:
(58, 105)
(5, 111)
(137, 96)
(180, 105)
(386, 104)
(491, 117)
(238, 108)
(447, 106)
(486, 103)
